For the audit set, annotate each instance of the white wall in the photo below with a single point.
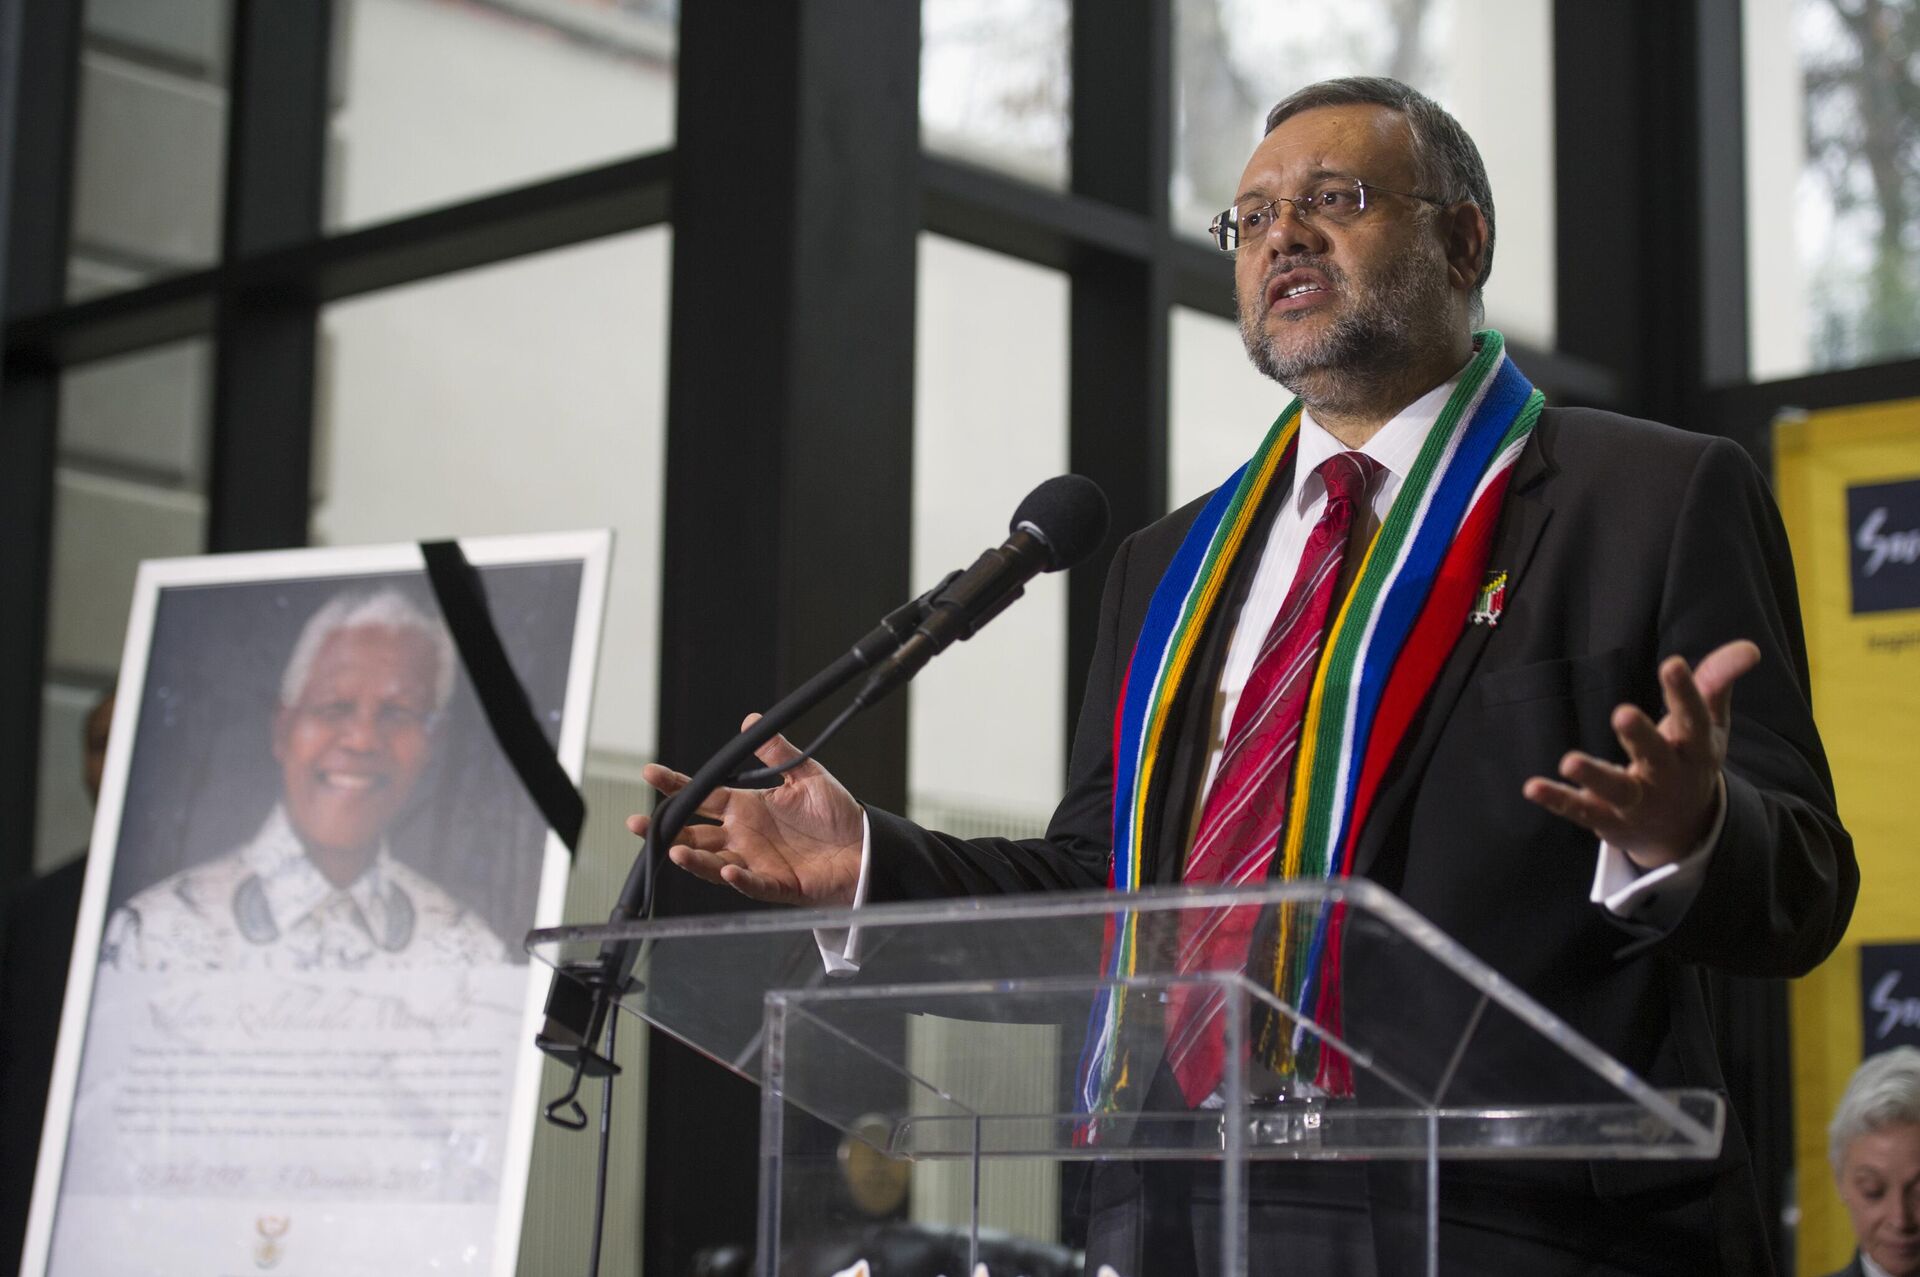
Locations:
(440, 102)
(1778, 309)
(1499, 85)
(128, 486)
(1219, 407)
(987, 721)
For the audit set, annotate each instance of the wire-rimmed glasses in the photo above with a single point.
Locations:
(1338, 200)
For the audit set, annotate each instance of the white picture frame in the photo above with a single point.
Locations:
(148, 1167)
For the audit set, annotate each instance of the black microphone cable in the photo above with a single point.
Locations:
(600, 1170)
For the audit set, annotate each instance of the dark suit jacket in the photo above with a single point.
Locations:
(1855, 1269)
(1625, 542)
(36, 942)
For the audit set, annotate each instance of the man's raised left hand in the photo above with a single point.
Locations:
(1660, 805)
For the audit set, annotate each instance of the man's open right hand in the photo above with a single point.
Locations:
(797, 843)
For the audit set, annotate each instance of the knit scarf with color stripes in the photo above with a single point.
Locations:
(1407, 607)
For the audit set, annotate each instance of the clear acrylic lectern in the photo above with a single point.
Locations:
(930, 1103)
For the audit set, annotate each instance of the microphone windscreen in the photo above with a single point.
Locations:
(1069, 513)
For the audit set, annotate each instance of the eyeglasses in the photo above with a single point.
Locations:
(1338, 201)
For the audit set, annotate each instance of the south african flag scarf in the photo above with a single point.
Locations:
(1408, 605)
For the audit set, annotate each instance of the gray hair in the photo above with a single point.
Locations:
(1444, 155)
(1885, 1091)
(385, 608)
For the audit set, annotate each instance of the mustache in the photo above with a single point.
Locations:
(1282, 265)
(1334, 275)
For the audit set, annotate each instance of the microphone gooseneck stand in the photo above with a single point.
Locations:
(1057, 525)
(584, 992)
(581, 999)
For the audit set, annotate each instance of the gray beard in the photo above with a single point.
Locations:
(1368, 347)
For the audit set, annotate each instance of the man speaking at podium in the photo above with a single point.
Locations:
(1538, 670)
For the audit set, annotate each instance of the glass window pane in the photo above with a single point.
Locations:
(1219, 406)
(439, 102)
(1833, 185)
(987, 721)
(129, 484)
(527, 397)
(524, 397)
(1487, 61)
(150, 144)
(995, 86)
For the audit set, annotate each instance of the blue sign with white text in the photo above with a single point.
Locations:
(1883, 535)
(1889, 996)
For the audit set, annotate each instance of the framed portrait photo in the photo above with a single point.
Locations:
(298, 1027)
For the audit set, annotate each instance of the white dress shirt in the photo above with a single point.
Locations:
(1395, 447)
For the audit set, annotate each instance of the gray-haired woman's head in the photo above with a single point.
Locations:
(1885, 1090)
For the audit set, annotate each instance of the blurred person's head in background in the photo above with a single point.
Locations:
(93, 744)
(1874, 1144)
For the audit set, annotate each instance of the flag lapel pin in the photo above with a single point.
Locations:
(1493, 598)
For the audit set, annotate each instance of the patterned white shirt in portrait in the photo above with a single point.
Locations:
(265, 907)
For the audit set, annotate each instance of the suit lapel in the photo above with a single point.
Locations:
(1176, 784)
(1522, 519)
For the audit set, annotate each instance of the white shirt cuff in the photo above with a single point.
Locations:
(840, 946)
(1657, 898)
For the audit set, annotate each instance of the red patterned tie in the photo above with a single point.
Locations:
(1245, 811)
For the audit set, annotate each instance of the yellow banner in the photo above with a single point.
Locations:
(1848, 482)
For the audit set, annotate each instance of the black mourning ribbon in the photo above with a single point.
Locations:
(462, 599)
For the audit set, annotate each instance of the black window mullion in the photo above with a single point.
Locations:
(1602, 313)
(795, 207)
(1118, 348)
(265, 336)
(1720, 236)
(624, 196)
(1648, 197)
(39, 81)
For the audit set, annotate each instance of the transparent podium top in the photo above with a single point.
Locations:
(1038, 1026)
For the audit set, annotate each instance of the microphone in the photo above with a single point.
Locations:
(1058, 524)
